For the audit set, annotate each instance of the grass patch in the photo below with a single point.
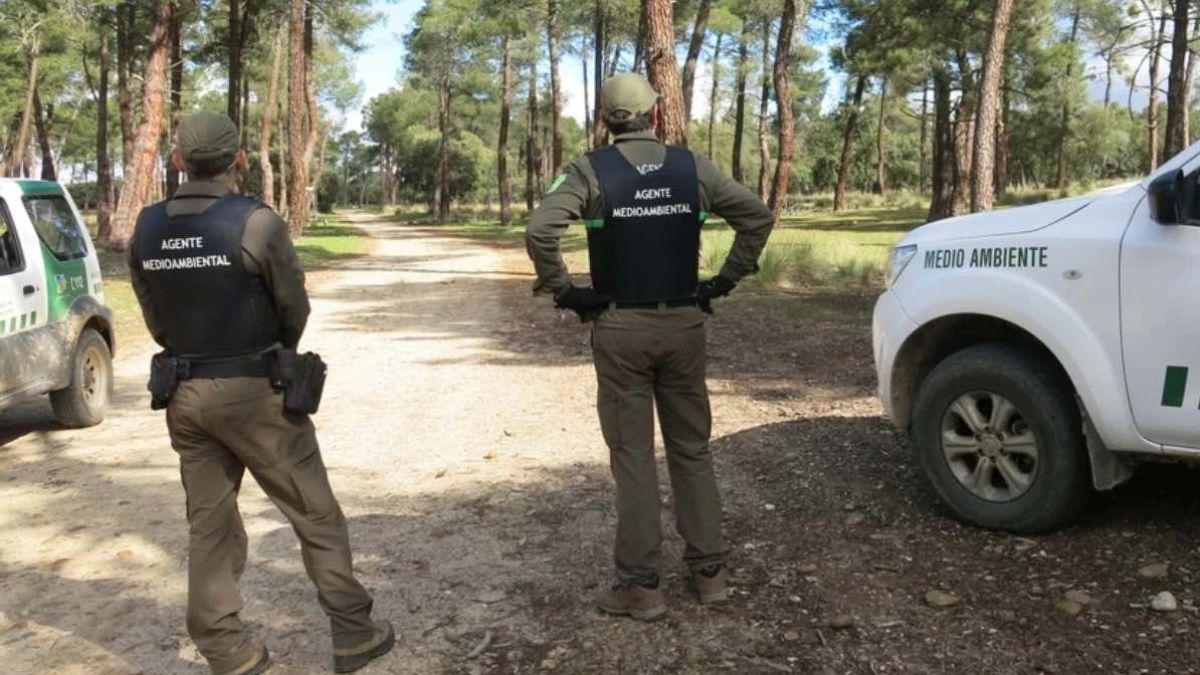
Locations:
(327, 242)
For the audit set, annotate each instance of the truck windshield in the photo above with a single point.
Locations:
(56, 226)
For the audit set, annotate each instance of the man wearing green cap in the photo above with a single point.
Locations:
(221, 290)
(643, 205)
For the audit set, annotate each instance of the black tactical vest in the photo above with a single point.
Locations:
(648, 246)
(208, 304)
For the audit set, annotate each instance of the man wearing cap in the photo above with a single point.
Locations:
(643, 205)
(221, 289)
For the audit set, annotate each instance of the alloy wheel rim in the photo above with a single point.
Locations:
(989, 446)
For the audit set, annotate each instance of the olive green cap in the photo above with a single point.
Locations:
(627, 95)
(207, 139)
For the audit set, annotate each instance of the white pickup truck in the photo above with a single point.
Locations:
(1036, 353)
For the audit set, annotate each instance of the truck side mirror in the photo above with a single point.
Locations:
(1165, 196)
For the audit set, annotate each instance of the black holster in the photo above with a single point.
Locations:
(166, 372)
(301, 378)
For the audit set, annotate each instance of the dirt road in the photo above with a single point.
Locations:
(461, 437)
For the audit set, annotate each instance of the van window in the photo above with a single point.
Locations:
(10, 248)
(56, 226)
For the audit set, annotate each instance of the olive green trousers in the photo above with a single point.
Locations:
(220, 428)
(647, 360)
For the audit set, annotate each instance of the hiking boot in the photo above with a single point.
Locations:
(712, 585)
(256, 666)
(350, 660)
(634, 601)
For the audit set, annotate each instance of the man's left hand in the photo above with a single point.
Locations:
(716, 287)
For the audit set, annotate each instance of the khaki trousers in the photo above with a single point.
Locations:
(648, 359)
(220, 428)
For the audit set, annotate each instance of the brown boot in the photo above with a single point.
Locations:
(714, 589)
(350, 660)
(633, 601)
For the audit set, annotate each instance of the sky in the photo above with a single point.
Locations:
(379, 68)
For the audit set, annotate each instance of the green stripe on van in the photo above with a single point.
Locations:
(1174, 386)
(39, 188)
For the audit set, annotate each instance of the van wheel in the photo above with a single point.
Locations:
(998, 434)
(84, 402)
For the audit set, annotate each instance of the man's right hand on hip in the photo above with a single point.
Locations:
(586, 302)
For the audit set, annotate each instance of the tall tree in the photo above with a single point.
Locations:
(268, 119)
(1064, 135)
(125, 37)
(140, 179)
(983, 155)
(234, 48)
(43, 119)
(739, 105)
(1156, 42)
(693, 55)
(506, 86)
(783, 97)
(849, 133)
(31, 43)
(599, 47)
(552, 38)
(715, 66)
(881, 186)
(104, 190)
(764, 102)
(942, 170)
(1177, 91)
(533, 153)
(664, 70)
(297, 121)
(176, 39)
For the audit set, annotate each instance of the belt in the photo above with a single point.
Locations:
(655, 304)
(216, 370)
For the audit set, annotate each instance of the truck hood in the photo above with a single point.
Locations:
(1005, 221)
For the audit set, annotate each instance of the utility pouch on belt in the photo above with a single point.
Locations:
(301, 377)
(166, 372)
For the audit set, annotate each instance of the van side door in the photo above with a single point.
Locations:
(24, 314)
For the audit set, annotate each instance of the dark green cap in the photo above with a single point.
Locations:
(207, 140)
(627, 95)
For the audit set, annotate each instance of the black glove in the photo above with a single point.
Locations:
(716, 287)
(588, 303)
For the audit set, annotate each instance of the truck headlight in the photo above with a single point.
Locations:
(901, 256)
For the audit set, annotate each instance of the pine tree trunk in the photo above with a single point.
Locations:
(783, 96)
(587, 100)
(848, 135)
(284, 143)
(1177, 93)
(923, 154)
(19, 160)
(599, 132)
(693, 56)
(712, 99)
(141, 178)
(1189, 79)
(268, 121)
(556, 156)
(233, 96)
(533, 160)
(43, 122)
(739, 105)
(502, 177)
(764, 101)
(176, 97)
(313, 126)
(297, 116)
(664, 71)
(639, 46)
(443, 185)
(124, 92)
(942, 169)
(983, 154)
(880, 187)
(1152, 105)
(1064, 133)
(1001, 182)
(104, 190)
(964, 134)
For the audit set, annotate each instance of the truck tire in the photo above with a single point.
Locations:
(999, 435)
(84, 402)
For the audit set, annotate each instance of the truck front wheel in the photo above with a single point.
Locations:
(84, 402)
(998, 434)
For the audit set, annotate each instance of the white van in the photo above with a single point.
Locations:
(56, 335)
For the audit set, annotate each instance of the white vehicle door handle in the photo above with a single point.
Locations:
(29, 290)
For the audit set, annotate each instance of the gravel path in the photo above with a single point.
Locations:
(461, 437)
